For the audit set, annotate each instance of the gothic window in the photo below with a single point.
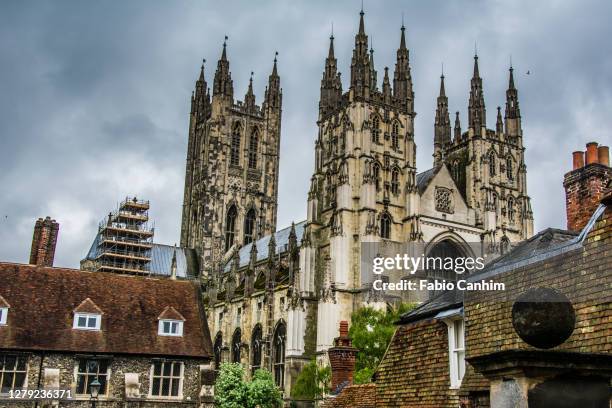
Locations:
(256, 349)
(253, 144)
(376, 130)
(395, 181)
(236, 340)
(217, 350)
(230, 227)
(376, 175)
(385, 226)
(249, 227)
(511, 208)
(443, 198)
(491, 164)
(509, 169)
(329, 188)
(235, 146)
(395, 135)
(279, 354)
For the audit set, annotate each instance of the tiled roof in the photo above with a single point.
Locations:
(354, 396)
(423, 179)
(43, 301)
(447, 300)
(161, 259)
(282, 241)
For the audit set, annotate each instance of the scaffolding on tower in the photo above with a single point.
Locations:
(126, 239)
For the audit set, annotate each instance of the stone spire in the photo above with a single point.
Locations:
(442, 127)
(331, 86)
(360, 63)
(223, 84)
(386, 87)
(200, 98)
(457, 135)
(249, 98)
(477, 114)
(373, 73)
(499, 124)
(512, 104)
(402, 79)
(274, 94)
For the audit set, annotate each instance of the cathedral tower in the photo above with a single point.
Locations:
(231, 177)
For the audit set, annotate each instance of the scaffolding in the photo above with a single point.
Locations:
(126, 239)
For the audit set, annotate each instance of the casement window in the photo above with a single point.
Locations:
(87, 321)
(456, 351)
(13, 369)
(168, 327)
(166, 379)
(3, 315)
(89, 370)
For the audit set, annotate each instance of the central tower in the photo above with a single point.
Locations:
(231, 179)
(363, 187)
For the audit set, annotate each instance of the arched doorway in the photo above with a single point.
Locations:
(437, 258)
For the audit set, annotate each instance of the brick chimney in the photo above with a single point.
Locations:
(586, 183)
(44, 241)
(342, 360)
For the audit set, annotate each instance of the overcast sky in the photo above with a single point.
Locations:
(94, 96)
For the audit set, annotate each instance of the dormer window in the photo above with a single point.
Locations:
(3, 315)
(169, 327)
(87, 321)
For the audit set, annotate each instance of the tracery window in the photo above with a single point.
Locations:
(236, 341)
(230, 227)
(256, 349)
(491, 164)
(385, 226)
(395, 181)
(509, 170)
(279, 354)
(511, 208)
(395, 135)
(443, 198)
(235, 146)
(253, 145)
(376, 130)
(249, 227)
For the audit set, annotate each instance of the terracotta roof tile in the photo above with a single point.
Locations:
(354, 396)
(43, 301)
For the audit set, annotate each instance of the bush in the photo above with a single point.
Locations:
(232, 391)
(312, 382)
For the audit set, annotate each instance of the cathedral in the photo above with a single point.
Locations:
(274, 298)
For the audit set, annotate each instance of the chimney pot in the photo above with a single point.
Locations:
(591, 153)
(343, 328)
(603, 155)
(578, 159)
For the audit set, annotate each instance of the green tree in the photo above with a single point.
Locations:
(371, 332)
(232, 391)
(312, 382)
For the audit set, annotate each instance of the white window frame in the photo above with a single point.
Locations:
(76, 374)
(87, 316)
(181, 380)
(4, 372)
(179, 328)
(3, 315)
(456, 350)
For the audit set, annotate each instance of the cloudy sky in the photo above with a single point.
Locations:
(94, 96)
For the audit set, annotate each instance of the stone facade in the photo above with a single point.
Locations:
(120, 393)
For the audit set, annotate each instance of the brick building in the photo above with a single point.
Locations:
(542, 342)
(146, 340)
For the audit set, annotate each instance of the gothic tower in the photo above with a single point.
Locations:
(363, 185)
(231, 177)
(488, 165)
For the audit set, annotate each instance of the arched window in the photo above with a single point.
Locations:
(509, 170)
(236, 340)
(217, 350)
(395, 135)
(385, 226)
(279, 354)
(376, 175)
(249, 226)
(256, 349)
(491, 164)
(230, 227)
(376, 130)
(235, 146)
(253, 143)
(511, 208)
(395, 181)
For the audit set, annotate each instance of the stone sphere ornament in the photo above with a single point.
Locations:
(543, 317)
